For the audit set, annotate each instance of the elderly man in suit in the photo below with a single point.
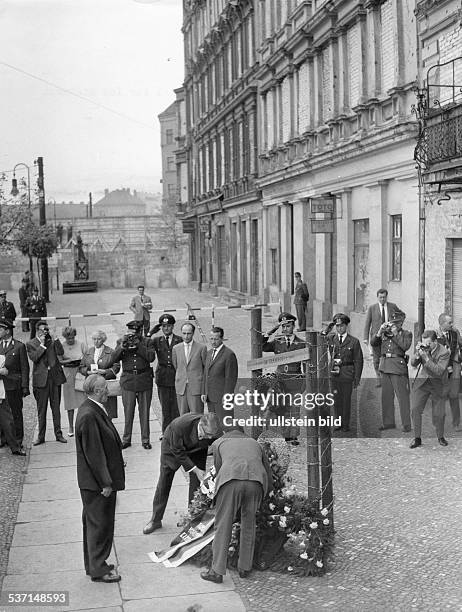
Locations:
(100, 474)
(243, 479)
(189, 360)
(220, 374)
(16, 381)
(141, 305)
(377, 314)
(432, 359)
(185, 444)
(47, 378)
(346, 367)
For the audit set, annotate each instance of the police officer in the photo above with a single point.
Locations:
(449, 336)
(346, 367)
(7, 309)
(394, 342)
(36, 308)
(165, 372)
(136, 354)
(291, 374)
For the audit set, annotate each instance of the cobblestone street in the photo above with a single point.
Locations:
(397, 512)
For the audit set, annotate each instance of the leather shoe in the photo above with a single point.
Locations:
(417, 442)
(443, 441)
(152, 526)
(385, 427)
(61, 439)
(113, 576)
(243, 573)
(295, 442)
(22, 453)
(38, 442)
(147, 445)
(212, 576)
(126, 444)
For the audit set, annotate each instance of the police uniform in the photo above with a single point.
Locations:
(394, 373)
(7, 309)
(452, 340)
(291, 374)
(136, 384)
(350, 367)
(36, 308)
(165, 372)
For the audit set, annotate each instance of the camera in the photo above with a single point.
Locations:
(130, 341)
(336, 365)
(423, 347)
(328, 329)
(387, 331)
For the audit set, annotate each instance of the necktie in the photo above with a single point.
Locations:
(340, 339)
(383, 313)
(288, 342)
(214, 352)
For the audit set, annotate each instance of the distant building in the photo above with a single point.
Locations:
(169, 131)
(119, 203)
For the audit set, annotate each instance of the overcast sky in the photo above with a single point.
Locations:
(126, 55)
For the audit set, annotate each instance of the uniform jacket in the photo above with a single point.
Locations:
(23, 295)
(136, 369)
(110, 371)
(180, 441)
(301, 294)
(220, 375)
(434, 369)
(374, 319)
(395, 347)
(44, 360)
(351, 354)
(141, 307)
(279, 345)
(7, 311)
(236, 456)
(36, 308)
(99, 450)
(453, 344)
(17, 364)
(165, 371)
(191, 373)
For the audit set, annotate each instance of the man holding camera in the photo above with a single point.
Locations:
(346, 367)
(136, 354)
(449, 337)
(431, 359)
(47, 378)
(393, 342)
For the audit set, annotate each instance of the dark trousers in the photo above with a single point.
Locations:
(49, 393)
(420, 396)
(146, 326)
(164, 484)
(167, 399)
(376, 354)
(129, 399)
(7, 426)
(301, 316)
(391, 384)
(342, 392)
(98, 517)
(243, 495)
(24, 324)
(451, 391)
(16, 404)
(217, 408)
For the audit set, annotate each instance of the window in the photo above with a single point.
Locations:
(170, 164)
(361, 264)
(274, 266)
(169, 136)
(396, 247)
(171, 190)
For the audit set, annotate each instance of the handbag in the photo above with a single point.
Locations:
(79, 380)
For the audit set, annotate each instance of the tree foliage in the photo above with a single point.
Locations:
(37, 240)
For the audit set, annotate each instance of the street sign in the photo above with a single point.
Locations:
(322, 205)
(322, 226)
(279, 359)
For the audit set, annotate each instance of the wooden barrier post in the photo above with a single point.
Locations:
(324, 430)
(256, 342)
(312, 431)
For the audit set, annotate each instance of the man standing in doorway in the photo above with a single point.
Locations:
(301, 300)
(376, 315)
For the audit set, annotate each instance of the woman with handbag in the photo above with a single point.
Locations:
(70, 360)
(95, 360)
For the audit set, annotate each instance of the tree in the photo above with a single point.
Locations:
(37, 241)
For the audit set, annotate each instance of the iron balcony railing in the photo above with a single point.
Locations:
(444, 139)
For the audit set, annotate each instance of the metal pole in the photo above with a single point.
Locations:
(421, 299)
(256, 342)
(42, 220)
(324, 430)
(312, 429)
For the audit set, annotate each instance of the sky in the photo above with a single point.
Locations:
(123, 58)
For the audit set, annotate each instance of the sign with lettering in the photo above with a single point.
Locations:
(279, 359)
(322, 205)
(322, 226)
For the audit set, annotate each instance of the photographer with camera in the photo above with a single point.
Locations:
(346, 367)
(393, 342)
(449, 337)
(47, 378)
(431, 359)
(136, 354)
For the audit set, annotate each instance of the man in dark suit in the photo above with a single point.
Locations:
(346, 367)
(136, 354)
(23, 295)
(301, 297)
(47, 378)
(220, 374)
(7, 309)
(394, 342)
(36, 308)
(376, 315)
(16, 381)
(165, 371)
(189, 360)
(243, 479)
(291, 374)
(449, 336)
(100, 474)
(432, 359)
(184, 444)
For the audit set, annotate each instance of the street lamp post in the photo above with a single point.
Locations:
(42, 221)
(14, 192)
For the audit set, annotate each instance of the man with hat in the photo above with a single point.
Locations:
(16, 380)
(291, 373)
(36, 308)
(136, 355)
(165, 372)
(7, 309)
(393, 342)
(346, 367)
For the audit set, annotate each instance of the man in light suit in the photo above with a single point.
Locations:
(377, 314)
(141, 305)
(189, 360)
(220, 374)
(243, 478)
(100, 474)
(432, 360)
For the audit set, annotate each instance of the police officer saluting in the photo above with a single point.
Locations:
(394, 342)
(136, 354)
(165, 372)
(346, 367)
